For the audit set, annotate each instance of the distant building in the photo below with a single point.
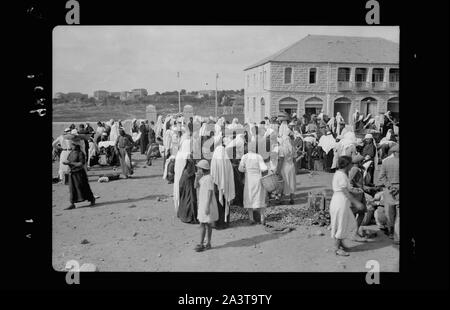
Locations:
(126, 95)
(115, 94)
(333, 73)
(203, 93)
(139, 92)
(72, 96)
(101, 94)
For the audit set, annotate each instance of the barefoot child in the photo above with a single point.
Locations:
(207, 206)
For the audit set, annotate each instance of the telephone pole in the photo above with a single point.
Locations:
(217, 77)
(179, 93)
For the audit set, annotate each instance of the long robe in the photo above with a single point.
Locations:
(180, 162)
(125, 144)
(223, 177)
(114, 134)
(254, 193)
(78, 181)
(286, 151)
(144, 139)
(187, 210)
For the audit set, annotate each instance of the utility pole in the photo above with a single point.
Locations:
(179, 93)
(217, 77)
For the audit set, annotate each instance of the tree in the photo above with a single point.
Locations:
(157, 93)
(183, 92)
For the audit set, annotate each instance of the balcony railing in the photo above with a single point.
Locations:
(366, 86)
(393, 86)
(378, 86)
(362, 86)
(344, 86)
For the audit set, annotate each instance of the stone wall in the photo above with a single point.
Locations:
(273, 89)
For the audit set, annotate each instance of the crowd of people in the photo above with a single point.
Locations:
(214, 164)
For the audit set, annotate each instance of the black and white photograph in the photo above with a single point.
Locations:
(226, 153)
(226, 148)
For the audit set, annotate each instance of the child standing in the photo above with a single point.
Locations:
(208, 212)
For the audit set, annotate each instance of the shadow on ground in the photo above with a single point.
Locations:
(246, 242)
(381, 241)
(131, 200)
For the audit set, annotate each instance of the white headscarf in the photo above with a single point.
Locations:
(158, 126)
(234, 124)
(286, 145)
(114, 134)
(327, 142)
(348, 140)
(223, 176)
(284, 129)
(180, 163)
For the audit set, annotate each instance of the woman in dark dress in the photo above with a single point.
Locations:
(78, 181)
(144, 138)
(187, 210)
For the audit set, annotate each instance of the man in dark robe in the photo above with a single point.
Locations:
(78, 181)
(144, 138)
(83, 131)
(89, 129)
(356, 179)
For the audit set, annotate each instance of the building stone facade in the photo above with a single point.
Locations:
(308, 87)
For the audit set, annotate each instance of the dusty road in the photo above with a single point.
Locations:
(133, 227)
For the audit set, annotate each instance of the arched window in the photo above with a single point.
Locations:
(287, 75)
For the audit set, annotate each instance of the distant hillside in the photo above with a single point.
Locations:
(114, 108)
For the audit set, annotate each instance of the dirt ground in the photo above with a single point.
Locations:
(134, 227)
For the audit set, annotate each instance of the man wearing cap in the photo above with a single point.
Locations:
(356, 179)
(390, 178)
(369, 152)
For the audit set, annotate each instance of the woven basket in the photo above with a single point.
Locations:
(272, 183)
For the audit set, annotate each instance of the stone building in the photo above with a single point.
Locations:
(101, 94)
(139, 92)
(334, 73)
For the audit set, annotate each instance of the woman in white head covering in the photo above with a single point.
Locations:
(340, 123)
(114, 134)
(159, 127)
(234, 124)
(286, 167)
(332, 125)
(284, 129)
(180, 163)
(327, 142)
(223, 176)
(348, 144)
(218, 127)
(65, 146)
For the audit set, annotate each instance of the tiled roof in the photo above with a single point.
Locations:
(337, 49)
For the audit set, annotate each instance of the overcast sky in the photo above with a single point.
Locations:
(119, 58)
